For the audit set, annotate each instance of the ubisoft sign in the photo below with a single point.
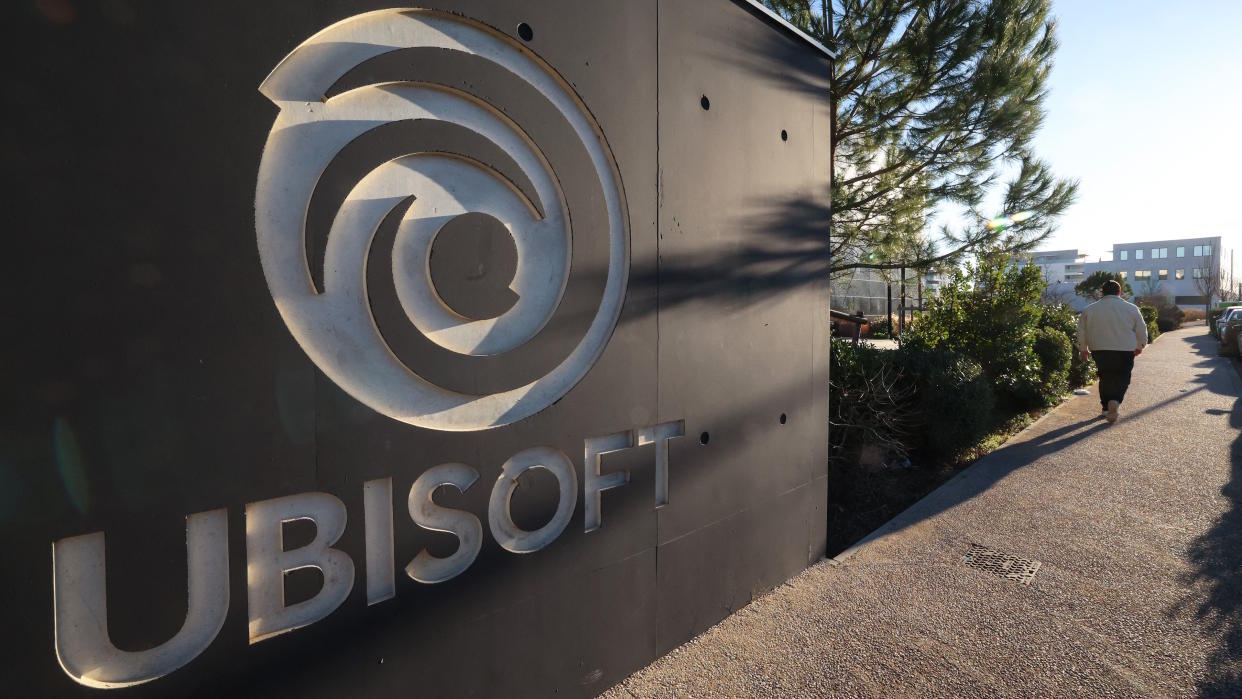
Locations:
(335, 326)
(424, 189)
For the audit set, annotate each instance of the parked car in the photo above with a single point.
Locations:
(1230, 331)
(1224, 318)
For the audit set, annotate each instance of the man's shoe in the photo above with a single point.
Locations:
(1111, 413)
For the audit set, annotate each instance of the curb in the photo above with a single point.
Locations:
(909, 515)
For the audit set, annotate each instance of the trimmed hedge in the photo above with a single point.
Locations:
(1055, 354)
(956, 404)
(1063, 317)
(1169, 318)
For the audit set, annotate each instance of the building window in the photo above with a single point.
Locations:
(1198, 273)
(1181, 252)
(1179, 274)
(1164, 274)
(1142, 274)
(1122, 273)
(1203, 251)
(1125, 254)
(1138, 254)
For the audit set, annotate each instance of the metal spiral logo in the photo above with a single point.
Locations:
(410, 120)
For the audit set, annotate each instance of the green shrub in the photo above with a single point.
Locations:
(1169, 317)
(1063, 317)
(880, 329)
(1055, 355)
(989, 313)
(955, 402)
(1149, 316)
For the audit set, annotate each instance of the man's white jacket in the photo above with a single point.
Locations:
(1112, 323)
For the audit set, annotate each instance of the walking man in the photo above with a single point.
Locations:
(1112, 331)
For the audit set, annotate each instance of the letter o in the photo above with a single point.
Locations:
(509, 535)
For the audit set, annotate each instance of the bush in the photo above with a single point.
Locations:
(1149, 317)
(1064, 318)
(955, 401)
(884, 405)
(1055, 355)
(1168, 316)
(1193, 315)
(989, 313)
(881, 328)
(870, 404)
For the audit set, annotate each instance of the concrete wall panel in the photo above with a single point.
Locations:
(155, 368)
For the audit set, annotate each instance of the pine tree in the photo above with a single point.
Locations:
(934, 101)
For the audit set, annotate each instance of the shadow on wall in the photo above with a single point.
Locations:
(786, 248)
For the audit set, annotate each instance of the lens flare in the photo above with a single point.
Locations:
(69, 465)
(1003, 222)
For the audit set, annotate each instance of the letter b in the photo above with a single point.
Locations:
(267, 562)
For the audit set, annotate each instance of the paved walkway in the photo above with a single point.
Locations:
(1138, 528)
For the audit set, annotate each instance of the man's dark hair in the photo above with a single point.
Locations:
(1112, 288)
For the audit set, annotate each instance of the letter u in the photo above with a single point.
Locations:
(83, 647)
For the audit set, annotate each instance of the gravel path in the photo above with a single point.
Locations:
(1138, 528)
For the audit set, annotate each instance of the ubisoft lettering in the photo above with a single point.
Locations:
(87, 655)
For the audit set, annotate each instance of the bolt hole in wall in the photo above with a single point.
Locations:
(784, 137)
(705, 103)
(784, 418)
(526, 32)
(704, 438)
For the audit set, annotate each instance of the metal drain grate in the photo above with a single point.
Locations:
(1002, 564)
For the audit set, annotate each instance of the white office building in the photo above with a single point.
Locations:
(1058, 266)
(1181, 270)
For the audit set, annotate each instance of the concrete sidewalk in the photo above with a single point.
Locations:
(1138, 528)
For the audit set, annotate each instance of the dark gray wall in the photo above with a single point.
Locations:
(147, 374)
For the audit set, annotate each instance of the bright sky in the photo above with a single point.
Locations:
(1144, 110)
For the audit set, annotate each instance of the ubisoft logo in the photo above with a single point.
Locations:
(426, 187)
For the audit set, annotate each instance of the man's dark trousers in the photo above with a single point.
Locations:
(1115, 368)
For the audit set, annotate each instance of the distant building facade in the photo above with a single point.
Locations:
(1174, 269)
(1060, 265)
